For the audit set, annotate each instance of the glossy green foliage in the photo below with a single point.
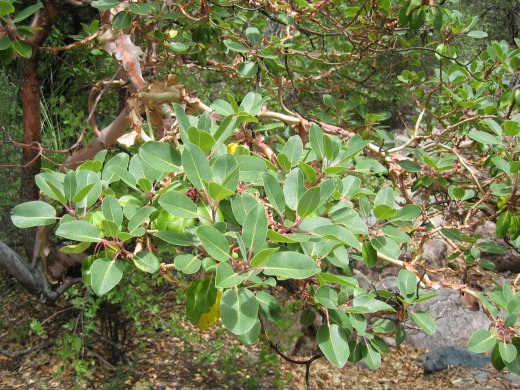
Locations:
(250, 201)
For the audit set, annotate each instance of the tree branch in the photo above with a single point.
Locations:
(32, 278)
(108, 137)
(14, 355)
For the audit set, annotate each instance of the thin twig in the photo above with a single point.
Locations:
(71, 45)
(306, 362)
(412, 138)
(102, 359)
(462, 161)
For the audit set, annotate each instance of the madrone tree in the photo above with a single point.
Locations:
(288, 183)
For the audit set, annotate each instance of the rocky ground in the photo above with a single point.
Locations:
(179, 356)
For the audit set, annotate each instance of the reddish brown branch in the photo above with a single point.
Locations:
(70, 45)
(108, 137)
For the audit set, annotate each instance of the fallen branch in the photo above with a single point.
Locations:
(14, 355)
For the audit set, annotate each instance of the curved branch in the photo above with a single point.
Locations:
(306, 362)
(415, 134)
(107, 137)
(32, 278)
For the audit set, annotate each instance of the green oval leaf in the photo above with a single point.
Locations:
(274, 192)
(178, 204)
(196, 165)
(253, 34)
(35, 213)
(366, 303)
(482, 341)
(251, 336)
(333, 342)
(293, 188)
(112, 210)
(268, 305)
(218, 192)
(51, 184)
(369, 254)
(187, 264)
(89, 188)
(309, 201)
(255, 229)
(503, 223)
(226, 277)
(238, 310)
(326, 297)
(386, 246)
(507, 352)
(385, 196)
(202, 139)
(339, 233)
(371, 357)
(105, 274)
(122, 20)
(248, 69)
(383, 211)
(147, 262)
(477, 34)
(483, 137)
(407, 282)
(104, 4)
(22, 48)
(262, 256)
(408, 213)
(6, 8)
(26, 12)
(5, 42)
(235, 46)
(513, 306)
(160, 156)
(293, 149)
(214, 242)
(291, 265)
(251, 168)
(143, 8)
(80, 231)
(174, 238)
(425, 321)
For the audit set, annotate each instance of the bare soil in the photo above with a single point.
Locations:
(180, 356)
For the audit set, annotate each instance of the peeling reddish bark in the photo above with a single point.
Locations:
(30, 96)
(108, 137)
(30, 93)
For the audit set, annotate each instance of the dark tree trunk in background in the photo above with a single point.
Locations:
(30, 95)
(32, 275)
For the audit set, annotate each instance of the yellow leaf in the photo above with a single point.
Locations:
(232, 148)
(212, 316)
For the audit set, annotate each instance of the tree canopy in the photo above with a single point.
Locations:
(264, 149)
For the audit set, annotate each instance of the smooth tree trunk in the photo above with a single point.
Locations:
(32, 278)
